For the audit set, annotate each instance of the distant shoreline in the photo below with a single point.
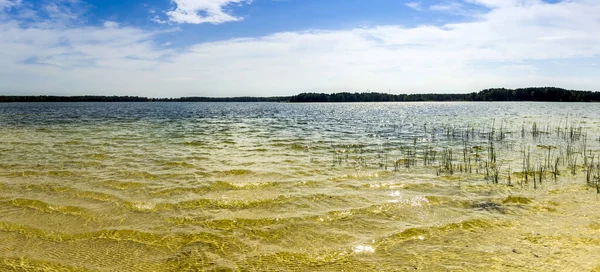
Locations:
(536, 94)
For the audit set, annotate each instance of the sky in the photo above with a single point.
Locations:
(173, 48)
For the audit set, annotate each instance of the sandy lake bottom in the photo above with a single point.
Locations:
(300, 187)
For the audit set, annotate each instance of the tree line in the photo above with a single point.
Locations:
(497, 94)
(90, 98)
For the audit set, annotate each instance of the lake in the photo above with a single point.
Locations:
(313, 187)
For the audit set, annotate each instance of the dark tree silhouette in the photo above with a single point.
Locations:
(497, 94)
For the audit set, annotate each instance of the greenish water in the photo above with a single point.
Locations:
(304, 187)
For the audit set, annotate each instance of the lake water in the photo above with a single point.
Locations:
(310, 187)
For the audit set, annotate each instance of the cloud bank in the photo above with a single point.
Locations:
(526, 43)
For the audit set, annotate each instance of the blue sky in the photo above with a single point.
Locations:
(166, 48)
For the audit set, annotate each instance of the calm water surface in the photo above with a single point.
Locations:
(319, 187)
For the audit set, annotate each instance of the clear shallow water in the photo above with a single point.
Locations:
(267, 186)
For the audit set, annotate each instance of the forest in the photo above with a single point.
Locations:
(498, 94)
(552, 94)
(89, 98)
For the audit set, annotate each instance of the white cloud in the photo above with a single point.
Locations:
(203, 11)
(446, 7)
(414, 5)
(453, 8)
(505, 3)
(503, 47)
(65, 11)
(111, 24)
(157, 19)
(5, 4)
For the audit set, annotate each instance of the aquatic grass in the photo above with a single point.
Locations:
(509, 183)
(487, 150)
(593, 175)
